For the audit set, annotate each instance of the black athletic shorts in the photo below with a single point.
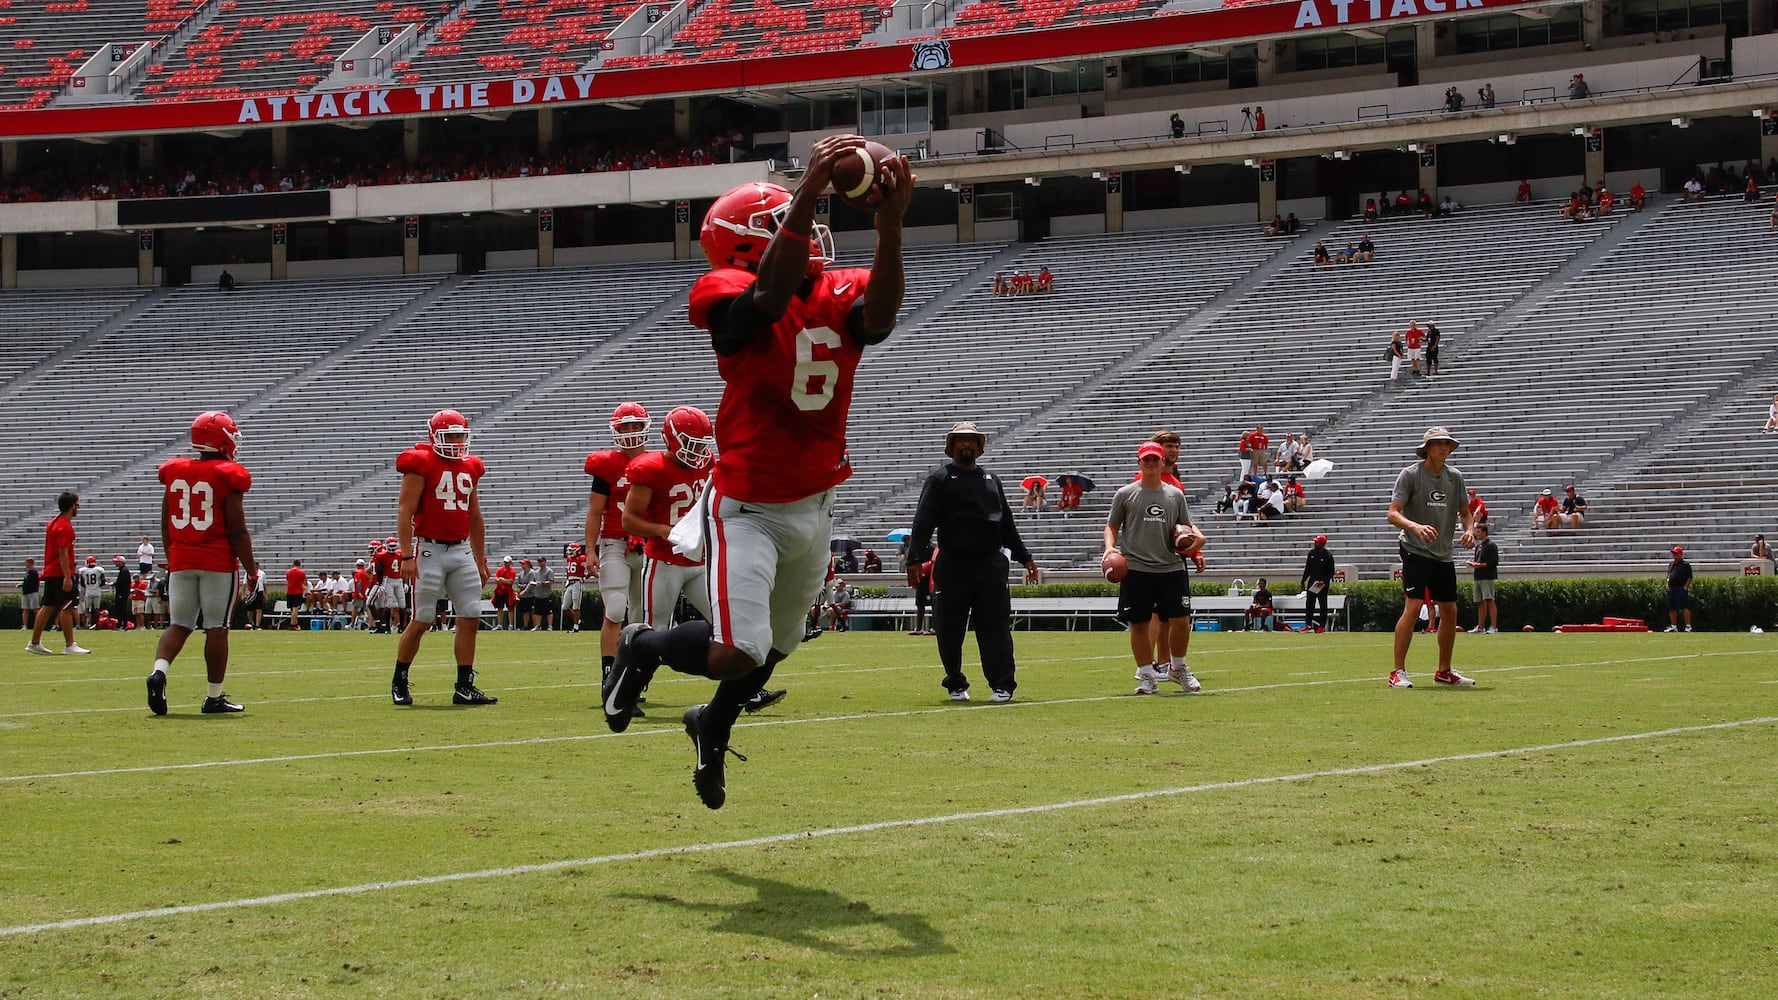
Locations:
(1425, 579)
(1142, 596)
(57, 594)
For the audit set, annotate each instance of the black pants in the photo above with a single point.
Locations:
(1309, 617)
(120, 608)
(966, 587)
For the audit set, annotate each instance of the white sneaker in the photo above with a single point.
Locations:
(38, 648)
(959, 695)
(76, 649)
(1183, 676)
(1671, 628)
(1478, 630)
(1399, 679)
(1148, 681)
(1688, 628)
(1493, 631)
(1000, 697)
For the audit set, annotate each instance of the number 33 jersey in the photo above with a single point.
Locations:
(197, 538)
(781, 428)
(443, 513)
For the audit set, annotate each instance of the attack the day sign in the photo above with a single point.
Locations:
(1079, 41)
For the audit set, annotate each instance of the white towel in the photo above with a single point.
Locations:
(688, 535)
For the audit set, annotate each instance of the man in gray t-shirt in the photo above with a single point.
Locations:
(1147, 517)
(544, 597)
(1428, 503)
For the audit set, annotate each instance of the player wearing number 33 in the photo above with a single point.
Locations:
(440, 525)
(204, 533)
(788, 335)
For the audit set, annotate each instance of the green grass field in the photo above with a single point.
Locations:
(1595, 819)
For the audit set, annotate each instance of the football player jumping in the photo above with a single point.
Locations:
(440, 526)
(788, 335)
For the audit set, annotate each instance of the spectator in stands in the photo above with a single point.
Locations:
(1294, 496)
(1274, 227)
(838, 608)
(1424, 506)
(1254, 451)
(1271, 501)
(1679, 590)
(296, 586)
(1772, 220)
(1370, 211)
(1286, 457)
(1585, 191)
(1305, 453)
(1487, 95)
(1478, 510)
(227, 282)
(1415, 338)
(1759, 549)
(872, 563)
(1424, 205)
(1347, 254)
(1034, 497)
(1547, 510)
(1574, 508)
(1448, 206)
(30, 594)
(1606, 200)
(1069, 501)
(1227, 504)
(1433, 336)
(1321, 256)
(1404, 203)
(1485, 564)
(1772, 416)
(1260, 612)
(1147, 521)
(1366, 250)
(1638, 196)
(1523, 194)
(1577, 87)
(1246, 498)
(1694, 190)
(1292, 224)
(1318, 574)
(1576, 210)
(1176, 125)
(1395, 352)
(965, 507)
(1046, 282)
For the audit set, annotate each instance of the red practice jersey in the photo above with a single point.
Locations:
(386, 564)
(296, 581)
(576, 569)
(197, 538)
(443, 514)
(781, 428)
(503, 579)
(676, 489)
(360, 583)
(58, 536)
(609, 466)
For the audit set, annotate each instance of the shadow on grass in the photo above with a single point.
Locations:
(814, 918)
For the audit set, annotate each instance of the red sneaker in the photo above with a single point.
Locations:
(1452, 677)
(1399, 679)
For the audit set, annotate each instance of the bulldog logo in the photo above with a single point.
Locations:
(934, 54)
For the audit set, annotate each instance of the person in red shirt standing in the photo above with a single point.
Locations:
(619, 563)
(665, 487)
(440, 523)
(391, 592)
(296, 593)
(788, 333)
(204, 534)
(1416, 341)
(57, 581)
(573, 587)
(504, 577)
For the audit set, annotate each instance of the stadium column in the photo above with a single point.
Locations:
(546, 130)
(1425, 44)
(9, 260)
(145, 239)
(9, 159)
(1595, 156)
(546, 237)
(1268, 191)
(281, 147)
(1592, 28)
(1114, 202)
(965, 213)
(1265, 63)
(410, 140)
(1768, 139)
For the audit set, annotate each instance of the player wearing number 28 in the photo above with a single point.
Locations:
(664, 486)
(440, 524)
(788, 335)
(204, 533)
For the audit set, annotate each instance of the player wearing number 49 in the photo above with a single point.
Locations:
(203, 533)
(440, 526)
(788, 335)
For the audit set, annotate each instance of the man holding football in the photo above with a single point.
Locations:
(1147, 531)
(788, 333)
(439, 523)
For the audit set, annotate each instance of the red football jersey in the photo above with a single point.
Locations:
(609, 466)
(676, 489)
(443, 514)
(781, 428)
(196, 489)
(59, 535)
(576, 569)
(503, 578)
(360, 583)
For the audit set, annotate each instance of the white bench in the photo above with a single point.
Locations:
(1074, 609)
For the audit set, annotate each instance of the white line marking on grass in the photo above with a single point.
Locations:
(837, 831)
(1310, 673)
(856, 717)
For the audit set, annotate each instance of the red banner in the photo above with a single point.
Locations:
(901, 60)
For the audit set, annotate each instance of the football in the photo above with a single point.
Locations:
(1114, 566)
(1182, 540)
(858, 175)
(1529, 628)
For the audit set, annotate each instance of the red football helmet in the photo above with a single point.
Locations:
(449, 431)
(392, 544)
(741, 223)
(630, 413)
(575, 550)
(690, 437)
(215, 431)
(376, 545)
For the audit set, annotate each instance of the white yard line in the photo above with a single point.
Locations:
(838, 831)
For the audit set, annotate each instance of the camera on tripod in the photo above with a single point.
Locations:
(1247, 111)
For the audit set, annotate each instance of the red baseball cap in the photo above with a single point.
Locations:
(1320, 539)
(1678, 550)
(1150, 448)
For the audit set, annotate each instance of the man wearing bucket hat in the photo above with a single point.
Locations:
(967, 508)
(1427, 504)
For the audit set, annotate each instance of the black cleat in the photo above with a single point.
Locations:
(630, 672)
(469, 694)
(157, 693)
(812, 632)
(707, 775)
(398, 692)
(220, 705)
(764, 700)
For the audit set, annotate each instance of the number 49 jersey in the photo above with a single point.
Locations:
(781, 429)
(443, 513)
(675, 489)
(196, 489)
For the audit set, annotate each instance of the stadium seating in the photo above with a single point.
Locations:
(994, 17)
(41, 45)
(746, 29)
(519, 38)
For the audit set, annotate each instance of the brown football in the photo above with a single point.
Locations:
(1114, 566)
(858, 176)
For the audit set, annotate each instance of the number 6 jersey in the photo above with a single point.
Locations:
(197, 538)
(781, 429)
(443, 514)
